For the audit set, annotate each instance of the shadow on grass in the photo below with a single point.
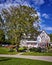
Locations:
(4, 59)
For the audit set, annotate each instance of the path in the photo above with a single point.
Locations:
(44, 58)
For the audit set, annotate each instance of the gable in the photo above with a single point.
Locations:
(44, 37)
(44, 34)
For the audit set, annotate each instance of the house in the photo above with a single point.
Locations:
(42, 41)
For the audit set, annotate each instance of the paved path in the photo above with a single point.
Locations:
(44, 58)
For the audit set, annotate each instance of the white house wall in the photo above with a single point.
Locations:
(44, 37)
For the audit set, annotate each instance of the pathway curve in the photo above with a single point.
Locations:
(44, 58)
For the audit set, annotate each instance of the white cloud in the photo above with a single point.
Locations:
(42, 26)
(45, 27)
(46, 16)
(26, 3)
(39, 2)
(48, 28)
(23, 2)
(20, 2)
(16, 2)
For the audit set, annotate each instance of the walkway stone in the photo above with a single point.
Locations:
(44, 58)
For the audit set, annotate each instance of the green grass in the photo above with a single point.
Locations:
(37, 54)
(4, 50)
(19, 61)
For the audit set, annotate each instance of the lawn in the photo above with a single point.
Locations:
(37, 54)
(4, 50)
(19, 61)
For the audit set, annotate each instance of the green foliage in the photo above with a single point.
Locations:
(33, 49)
(50, 51)
(50, 37)
(2, 37)
(0, 21)
(25, 48)
(37, 49)
(22, 49)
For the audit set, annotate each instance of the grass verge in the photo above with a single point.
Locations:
(19, 61)
(37, 54)
(4, 50)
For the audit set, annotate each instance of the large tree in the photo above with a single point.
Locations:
(50, 37)
(2, 37)
(0, 21)
(19, 20)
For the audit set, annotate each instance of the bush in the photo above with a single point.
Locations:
(43, 50)
(50, 51)
(39, 49)
(33, 49)
(25, 48)
(11, 50)
(22, 49)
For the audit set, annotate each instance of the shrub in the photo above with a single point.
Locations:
(43, 50)
(50, 51)
(33, 49)
(39, 49)
(25, 48)
(22, 49)
(11, 48)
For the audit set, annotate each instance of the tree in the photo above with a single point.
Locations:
(2, 37)
(19, 20)
(0, 21)
(50, 37)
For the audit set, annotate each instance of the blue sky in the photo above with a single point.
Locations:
(43, 7)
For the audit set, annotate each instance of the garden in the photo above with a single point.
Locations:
(25, 50)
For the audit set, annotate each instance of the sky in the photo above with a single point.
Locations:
(43, 7)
